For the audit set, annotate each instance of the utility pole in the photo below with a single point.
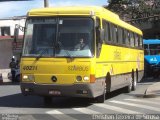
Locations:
(46, 3)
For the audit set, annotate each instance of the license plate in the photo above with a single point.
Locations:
(54, 92)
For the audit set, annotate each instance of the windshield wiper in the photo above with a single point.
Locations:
(66, 51)
(43, 52)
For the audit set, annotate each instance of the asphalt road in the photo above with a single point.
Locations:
(14, 105)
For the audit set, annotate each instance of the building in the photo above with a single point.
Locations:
(8, 47)
(7, 25)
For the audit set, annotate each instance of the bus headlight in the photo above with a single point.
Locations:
(86, 78)
(25, 77)
(28, 77)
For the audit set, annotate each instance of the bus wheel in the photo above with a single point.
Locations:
(108, 83)
(102, 98)
(129, 87)
(134, 81)
(47, 100)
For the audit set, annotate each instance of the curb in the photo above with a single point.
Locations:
(153, 90)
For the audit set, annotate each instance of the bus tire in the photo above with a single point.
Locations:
(108, 83)
(102, 98)
(47, 100)
(137, 78)
(129, 87)
(134, 81)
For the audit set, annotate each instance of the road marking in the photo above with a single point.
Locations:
(157, 98)
(86, 111)
(136, 105)
(143, 101)
(59, 115)
(26, 117)
(118, 109)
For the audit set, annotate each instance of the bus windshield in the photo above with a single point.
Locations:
(152, 49)
(59, 37)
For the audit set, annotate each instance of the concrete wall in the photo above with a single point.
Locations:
(5, 57)
(11, 23)
(6, 46)
(5, 53)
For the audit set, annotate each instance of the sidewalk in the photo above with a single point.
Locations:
(153, 89)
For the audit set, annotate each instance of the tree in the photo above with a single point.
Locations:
(133, 9)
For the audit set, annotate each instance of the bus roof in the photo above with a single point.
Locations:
(151, 41)
(84, 11)
(70, 10)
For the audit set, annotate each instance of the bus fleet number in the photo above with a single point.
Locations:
(30, 68)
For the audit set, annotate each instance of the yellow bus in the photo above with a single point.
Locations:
(85, 51)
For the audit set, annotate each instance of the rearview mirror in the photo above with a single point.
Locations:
(100, 34)
(16, 31)
(16, 34)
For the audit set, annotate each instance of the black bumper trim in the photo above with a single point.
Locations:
(65, 90)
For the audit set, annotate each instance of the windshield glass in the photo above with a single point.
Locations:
(152, 49)
(59, 37)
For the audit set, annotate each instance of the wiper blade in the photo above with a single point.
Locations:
(43, 52)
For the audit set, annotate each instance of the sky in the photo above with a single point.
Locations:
(19, 8)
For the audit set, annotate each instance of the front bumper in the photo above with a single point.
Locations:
(74, 90)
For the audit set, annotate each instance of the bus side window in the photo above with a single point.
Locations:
(131, 39)
(106, 31)
(117, 33)
(98, 43)
(111, 32)
(97, 30)
(114, 33)
(128, 38)
(123, 37)
(120, 35)
(136, 40)
(140, 41)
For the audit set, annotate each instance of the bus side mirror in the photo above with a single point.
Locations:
(99, 40)
(16, 34)
(100, 34)
(16, 31)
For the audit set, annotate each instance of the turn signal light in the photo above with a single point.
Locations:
(92, 78)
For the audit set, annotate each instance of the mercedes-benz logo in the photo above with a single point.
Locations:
(54, 79)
